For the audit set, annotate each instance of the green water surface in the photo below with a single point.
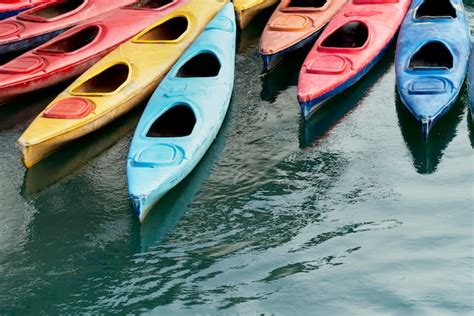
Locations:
(350, 213)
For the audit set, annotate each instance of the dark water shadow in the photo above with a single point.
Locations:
(77, 154)
(250, 36)
(284, 75)
(335, 109)
(428, 154)
(168, 212)
(470, 126)
(26, 107)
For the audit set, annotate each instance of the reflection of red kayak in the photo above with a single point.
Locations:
(77, 49)
(350, 45)
(38, 25)
(9, 8)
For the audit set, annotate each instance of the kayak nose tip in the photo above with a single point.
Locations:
(426, 125)
(267, 61)
(138, 203)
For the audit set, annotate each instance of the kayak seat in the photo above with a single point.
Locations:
(431, 9)
(10, 29)
(170, 30)
(73, 42)
(159, 155)
(178, 121)
(150, 4)
(106, 82)
(200, 66)
(290, 23)
(23, 65)
(429, 86)
(70, 108)
(350, 35)
(53, 11)
(329, 65)
(432, 55)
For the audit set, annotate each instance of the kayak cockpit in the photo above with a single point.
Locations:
(432, 55)
(434, 9)
(72, 43)
(170, 30)
(178, 121)
(53, 11)
(350, 35)
(200, 66)
(108, 81)
(151, 4)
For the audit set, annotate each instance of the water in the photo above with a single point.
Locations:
(350, 213)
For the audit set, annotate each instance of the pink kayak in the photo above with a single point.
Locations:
(76, 50)
(40, 24)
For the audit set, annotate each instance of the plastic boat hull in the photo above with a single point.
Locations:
(117, 83)
(428, 92)
(291, 28)
(8, 10)
(55, 65)
(30, 28)
(334, 65)
(151, 172)
(247, 10)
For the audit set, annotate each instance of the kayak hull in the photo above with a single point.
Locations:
(429, 91)
(8, 10)
(116, 84)
(7, 14)
(29, 43)
(312, 106)
(32, 153)
(272, 60)
(58, 66)
(151, 173)
(291, 28)
(28, 30)
(247, 10)
(334, 63)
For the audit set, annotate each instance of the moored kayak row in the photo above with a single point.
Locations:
(182, 54)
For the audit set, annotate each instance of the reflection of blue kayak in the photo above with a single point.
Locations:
(471, 83)
(431, 61)
(184, 114)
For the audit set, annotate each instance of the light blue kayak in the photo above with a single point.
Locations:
(431, 58)
(184, 114)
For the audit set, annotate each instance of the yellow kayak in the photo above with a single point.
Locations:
(118, 82)
(247, 9)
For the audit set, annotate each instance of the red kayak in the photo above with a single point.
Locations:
(9, 8)
(73, 52)
(40, 24)
(352, 43)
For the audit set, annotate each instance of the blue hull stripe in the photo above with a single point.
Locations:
(29, 43)
(270, 61)
(308, 107)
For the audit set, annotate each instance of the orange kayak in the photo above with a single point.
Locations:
(293, 25)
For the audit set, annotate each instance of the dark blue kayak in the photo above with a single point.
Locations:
(431, 59)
